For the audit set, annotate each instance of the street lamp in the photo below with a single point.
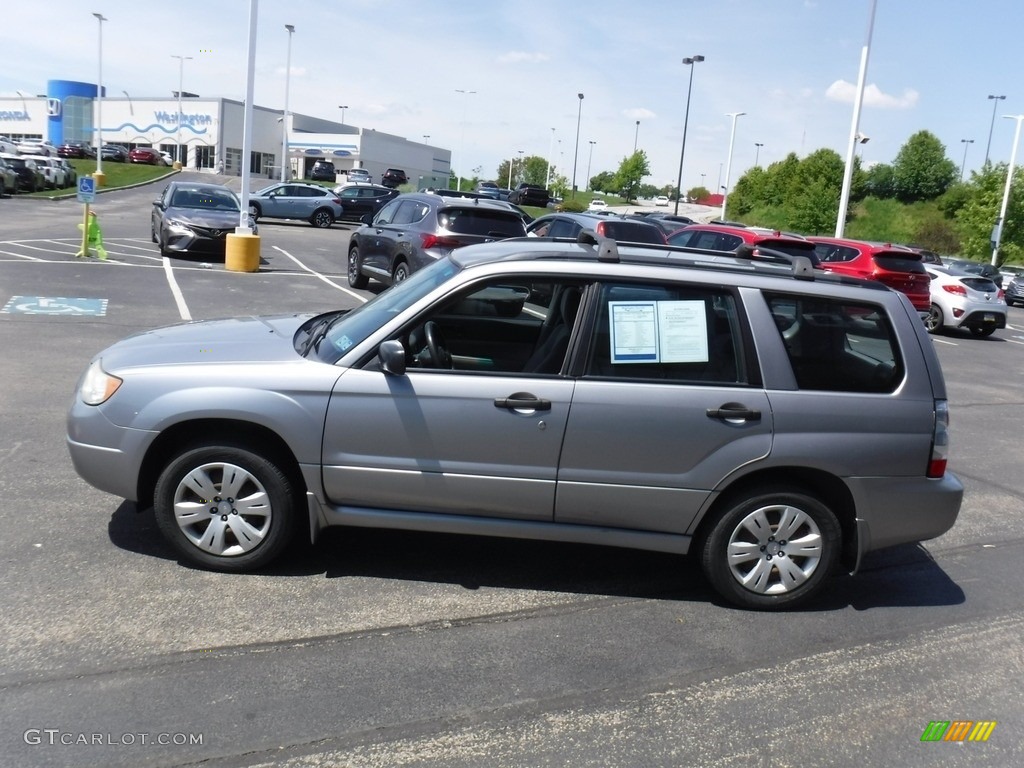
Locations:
(757, 153)
(343, 107)
(131, 109)
(98, 176)
(1006, 193)
(181, 77)
(688, 61)
(862, 140)
(551, 147)
(426, 137)
(591, 157)
(995, 102)
(963, 165)
(576, 153)
(462, 146)
(636, 135)
(728, 163)
(285, 161)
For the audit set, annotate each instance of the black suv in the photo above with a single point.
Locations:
(394, 177)
(529, 194)
(616, 227)
(323, 170)
(417, 229)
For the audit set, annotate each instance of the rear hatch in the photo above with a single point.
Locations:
(467, 225)
(903, 271)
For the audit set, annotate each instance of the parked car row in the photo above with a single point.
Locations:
(35, 173)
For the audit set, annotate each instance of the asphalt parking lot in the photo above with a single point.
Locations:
(385, 648)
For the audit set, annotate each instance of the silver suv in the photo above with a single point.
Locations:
(775, 421)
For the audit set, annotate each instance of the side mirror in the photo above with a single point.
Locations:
(158, 203)
(367, 218)
(392, 357)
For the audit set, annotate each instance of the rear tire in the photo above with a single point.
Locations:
(321, 218)
(933, 323)
(255, 212)
(771, 548)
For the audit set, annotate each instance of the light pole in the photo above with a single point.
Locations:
(728, 163)
(521, 171)
(591, 157)
(285, 161)
(99, 176)
(1006, 193)
(757, 153)
(131, 109)
(636, 136)
(861, 141)
(963, 165)
(181, 78)
(551, 147)
(576, 152)
(462, 146)
(688, 61)
(426, 137)
(844, 197)
(995, 102)
(343, 107)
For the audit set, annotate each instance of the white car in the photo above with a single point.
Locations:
(597, 204)
(37, 147)
(661, 200)
(359, 175)
(963, 300)
(56, 176)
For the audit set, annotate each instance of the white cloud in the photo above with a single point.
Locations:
(639, 113)
(845, 92)
(518, 57)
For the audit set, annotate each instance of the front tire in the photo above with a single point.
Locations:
(322, 218)
(356, 278)
(772, 548)
(933, 323)
(225, 508)
(255, 212)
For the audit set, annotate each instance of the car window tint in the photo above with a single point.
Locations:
(563, 228)
(837, 346)
(410, 211)
(682, 334)
(387, 213)
(477, 221)
(830, 253)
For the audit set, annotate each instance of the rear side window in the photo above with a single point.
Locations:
(837, 346)
(684, 334)
(631, 232)
(832, 254)
(486, 223)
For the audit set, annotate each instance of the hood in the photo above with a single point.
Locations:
(201, 217)
(234, 340)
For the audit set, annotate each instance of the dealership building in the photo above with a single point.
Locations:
(208, 132)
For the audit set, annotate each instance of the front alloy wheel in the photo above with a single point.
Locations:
(400, 272)
(356, 278)
(773, 548)
(225, 508)
(933, 323)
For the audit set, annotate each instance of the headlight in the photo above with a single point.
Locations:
(179, 227)
(98, 385)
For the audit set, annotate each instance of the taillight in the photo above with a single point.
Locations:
(1001, 295)
(940, 440)
(959, 290)
(437, 241)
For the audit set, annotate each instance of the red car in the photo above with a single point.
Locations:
(729, 237)
(895, 266)
(145, 155)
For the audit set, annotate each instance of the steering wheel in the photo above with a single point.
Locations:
(440, 357)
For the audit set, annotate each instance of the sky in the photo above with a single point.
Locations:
(407, 67)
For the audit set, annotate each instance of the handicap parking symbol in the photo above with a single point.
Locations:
(55, 305)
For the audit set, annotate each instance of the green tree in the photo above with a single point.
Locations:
(631, 171)
(881, 181)
(531, 170)
(976, 218)
(603, 182)
(815, 209)
(921, 170)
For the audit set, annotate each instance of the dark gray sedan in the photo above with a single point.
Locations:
(191, 217)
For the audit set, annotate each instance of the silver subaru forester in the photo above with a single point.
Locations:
(772, 419)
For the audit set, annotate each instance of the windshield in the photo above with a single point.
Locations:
(354, 327)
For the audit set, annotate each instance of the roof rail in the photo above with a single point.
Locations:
(607, 249)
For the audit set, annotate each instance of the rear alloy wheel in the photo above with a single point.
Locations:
(254, 212)
(225, 508)
(356, 278)
(773, 548)
(322, 218)
(933, 323)
(400, 272)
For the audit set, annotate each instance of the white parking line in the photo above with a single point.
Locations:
(20, 256)
(179, 299)
(321, 277)
(943, 341)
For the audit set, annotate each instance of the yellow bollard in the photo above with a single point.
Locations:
(242, 252)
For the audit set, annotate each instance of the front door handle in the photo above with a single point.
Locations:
(522, 401)
(734, 413)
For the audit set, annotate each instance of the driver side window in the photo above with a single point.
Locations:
(503, 326)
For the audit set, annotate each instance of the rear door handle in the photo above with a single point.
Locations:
(734, 413)
(522, 401)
